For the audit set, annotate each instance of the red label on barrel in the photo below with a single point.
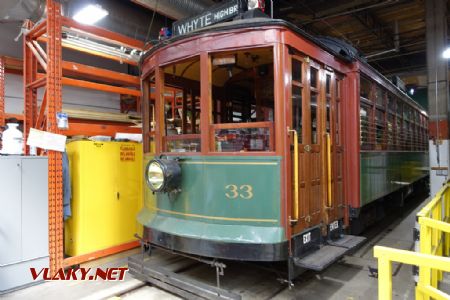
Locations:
(127, 153)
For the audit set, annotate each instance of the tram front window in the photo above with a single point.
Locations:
(243, 100)
(182, 106)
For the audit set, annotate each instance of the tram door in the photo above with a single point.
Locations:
(305, 111)
(314, 113)
(334, 202)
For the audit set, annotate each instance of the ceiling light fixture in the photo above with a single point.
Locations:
(446, 53)
(90, 14)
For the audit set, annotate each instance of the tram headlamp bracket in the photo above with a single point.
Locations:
(163, 175)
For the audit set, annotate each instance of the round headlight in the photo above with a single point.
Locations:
(155, 176)
(163, 175)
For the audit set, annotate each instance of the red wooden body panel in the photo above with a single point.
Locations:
(351, 138)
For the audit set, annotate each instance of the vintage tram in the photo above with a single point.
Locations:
(263, 143)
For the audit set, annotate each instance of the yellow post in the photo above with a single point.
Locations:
(295, 215)
(387, 255)
(384, 278)
(329, 198)
(447, 219)
(424, 272)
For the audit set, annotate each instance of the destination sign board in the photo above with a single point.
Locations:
(215, 15)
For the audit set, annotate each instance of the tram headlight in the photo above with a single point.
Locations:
(163, 175)
(155, 176)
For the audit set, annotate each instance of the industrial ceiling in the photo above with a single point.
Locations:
(391, 33)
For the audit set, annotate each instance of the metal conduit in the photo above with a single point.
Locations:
(176, 9)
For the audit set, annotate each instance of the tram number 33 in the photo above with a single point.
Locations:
(244, 191)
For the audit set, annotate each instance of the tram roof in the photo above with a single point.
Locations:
(256, 23)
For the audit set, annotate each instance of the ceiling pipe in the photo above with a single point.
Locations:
(352, 11)
(380, 53)
(176, 9)
(396, 44)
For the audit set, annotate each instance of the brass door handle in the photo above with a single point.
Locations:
(329, 175)
(307, 148)
(294, 219)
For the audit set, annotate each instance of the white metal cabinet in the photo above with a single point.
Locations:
(23, 219)
(10, 216)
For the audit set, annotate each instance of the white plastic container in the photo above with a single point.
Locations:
(12, 140)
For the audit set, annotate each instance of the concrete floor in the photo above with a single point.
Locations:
(349, 279)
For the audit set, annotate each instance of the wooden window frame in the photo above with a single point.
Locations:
(212, 126)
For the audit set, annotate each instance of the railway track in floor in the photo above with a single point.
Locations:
(265, 281)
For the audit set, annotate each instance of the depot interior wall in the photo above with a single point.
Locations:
(73, 98)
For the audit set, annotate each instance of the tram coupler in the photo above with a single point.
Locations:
(219, 272)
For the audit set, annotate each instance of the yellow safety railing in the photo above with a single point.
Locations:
(434, 247)
(386, 256)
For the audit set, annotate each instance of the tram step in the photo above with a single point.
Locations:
(322, 258)
(347, 241)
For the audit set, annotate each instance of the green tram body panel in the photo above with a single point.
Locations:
(250, 213)
(385, 172)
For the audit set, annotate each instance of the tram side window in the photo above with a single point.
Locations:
(379, 96)
(391, 121)
(182, 106)
(297, 110)
(365, 87)
(406, 132)
(149, 114)
(296, 70)
(390, 131)
(328, 101)
(406, 112)
(243, 100)
(418, 138)
(424, 132)
(407, 127)
(314, 74)
(297, 106)
(364, 113)
(338, 111)
(399, 138)
(379, 123)
(391, 103)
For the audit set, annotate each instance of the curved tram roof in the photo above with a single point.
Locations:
(348, 56)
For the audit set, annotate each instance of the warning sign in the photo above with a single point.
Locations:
(127, 153)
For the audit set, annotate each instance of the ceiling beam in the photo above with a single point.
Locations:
(350, 8)
(371, 22)
(396, 55)
(405, 70)
(347, 7)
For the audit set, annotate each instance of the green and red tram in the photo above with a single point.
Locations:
(265, 144)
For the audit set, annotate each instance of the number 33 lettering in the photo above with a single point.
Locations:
(244, 191)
